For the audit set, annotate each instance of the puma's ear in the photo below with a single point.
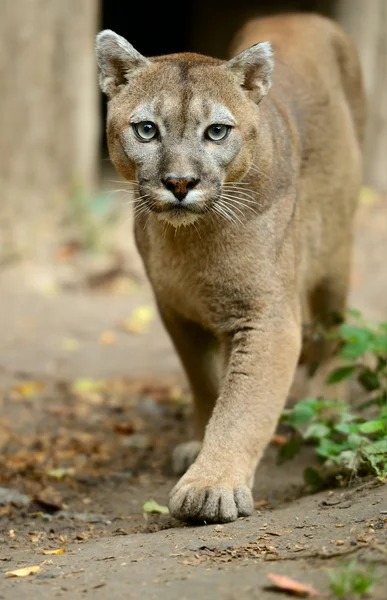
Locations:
(253, 68)
(117, 59)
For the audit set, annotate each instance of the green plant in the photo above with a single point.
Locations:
(363, 349)
(345, 438)
(91, 214)
(351, 581)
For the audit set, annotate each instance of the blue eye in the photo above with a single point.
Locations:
(217, 132)
(145, 130)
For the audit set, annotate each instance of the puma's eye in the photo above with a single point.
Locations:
(217, 132)
(145, 130)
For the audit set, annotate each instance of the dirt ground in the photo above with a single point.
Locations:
(92, 402)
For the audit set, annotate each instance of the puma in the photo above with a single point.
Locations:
(247, 174)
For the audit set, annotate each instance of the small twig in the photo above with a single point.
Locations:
(319, 554)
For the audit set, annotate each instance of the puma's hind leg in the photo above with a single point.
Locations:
(328, 304)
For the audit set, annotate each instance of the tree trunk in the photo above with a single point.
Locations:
(366, 22)
(48, 116)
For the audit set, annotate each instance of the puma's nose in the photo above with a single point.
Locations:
(180, 186)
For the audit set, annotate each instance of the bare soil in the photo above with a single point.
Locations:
(80, 458)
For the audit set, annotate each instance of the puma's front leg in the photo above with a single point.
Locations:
(262, 356)
(197, 349)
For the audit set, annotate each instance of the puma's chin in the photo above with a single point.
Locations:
(178, 218)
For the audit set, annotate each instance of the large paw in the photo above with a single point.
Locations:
(210, 503)
(184, 455)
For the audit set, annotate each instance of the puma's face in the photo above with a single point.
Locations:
(182, 126)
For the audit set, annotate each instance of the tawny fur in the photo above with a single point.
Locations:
(234, 295)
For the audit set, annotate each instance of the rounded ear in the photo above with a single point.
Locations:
(117, 60)
(253, 68)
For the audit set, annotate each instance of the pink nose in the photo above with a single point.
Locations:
(180, 186)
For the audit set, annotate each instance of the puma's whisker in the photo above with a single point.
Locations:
(233, 200)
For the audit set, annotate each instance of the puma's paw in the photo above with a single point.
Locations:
(210, 503)
(184, 455)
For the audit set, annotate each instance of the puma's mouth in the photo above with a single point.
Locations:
(179, 217)
(173, 210)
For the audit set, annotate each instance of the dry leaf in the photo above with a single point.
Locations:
(260, 504)
(279, 440)
(107, 338)
(27, 389)
(125, 428)
(66, 252)
(153, 507)
(138, 320)
(53, 552)
(61, 472)
(89, 390)
(70, 344)
(282, 582)
(368, 196)
(24, 572)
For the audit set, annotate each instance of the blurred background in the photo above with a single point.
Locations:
(92, 398)
(70, 277)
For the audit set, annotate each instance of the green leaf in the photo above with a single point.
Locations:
(302, 412)
(346, 428)
(356, 314)
(373, 426)
(317, 431)
(357, 341)
(341, 373)
(313, 478)
(153, 507)
(355, 440)
(329, 449)
(290, 449)
(376, 447)
(368, 379)
(379, 344)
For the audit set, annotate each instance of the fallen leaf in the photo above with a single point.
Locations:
(282, 582)
(107, 338)
(368, 196)
(24, 572)
(260, 504)
(27, 389)
(138, 320)
(153, 507)
(88, 385)
(70, 344)
(125, 428)
(279, 440)
(61, 472)
(51, 290)
(89, 390)
(66, 252)
(53, 552)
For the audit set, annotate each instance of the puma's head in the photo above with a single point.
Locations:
(182, 125)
